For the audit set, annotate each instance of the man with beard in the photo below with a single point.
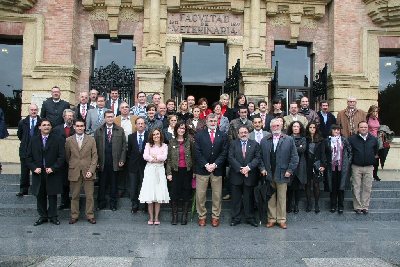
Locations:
(307, 112)
(350, 117)
(279, 159)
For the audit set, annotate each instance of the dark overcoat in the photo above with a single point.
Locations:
(54, 155)
(287, 158)
(346, 163)
(24, 136)
(301, 170)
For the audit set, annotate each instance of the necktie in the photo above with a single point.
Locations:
(244, 149)
(44, 140)
(259, 136)
(263, 119)
(32, 129)
(140, 142)
(80, 141)
(109, 135)
(83, 112)
(212, 137)
(112, 105)
(99, 116)
(67, 131)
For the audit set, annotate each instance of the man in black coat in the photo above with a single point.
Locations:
(46, 157)
(244, 158)
(326, 119)
(81, 110)
(211, 148)
(53, 107)
(64, 131)
(27, 128)
(364, 147)
(136, 163)
(114, 102)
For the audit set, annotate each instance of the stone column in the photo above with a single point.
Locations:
(173, 48)
(154, 49)
(254, 53)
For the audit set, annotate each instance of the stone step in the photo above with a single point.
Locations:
(28, 212)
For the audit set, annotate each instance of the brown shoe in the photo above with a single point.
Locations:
(92, 220)
(72, 221)
(270, 224)
(202, 222)
(215, 222)
(283, 225)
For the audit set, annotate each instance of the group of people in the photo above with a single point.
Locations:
(158, 152)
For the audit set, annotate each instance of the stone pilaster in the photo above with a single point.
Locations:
(153, 51)
(255, 83)
(151, 78)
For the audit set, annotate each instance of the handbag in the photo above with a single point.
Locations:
(318, 175)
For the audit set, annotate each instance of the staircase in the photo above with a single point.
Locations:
(385, 205)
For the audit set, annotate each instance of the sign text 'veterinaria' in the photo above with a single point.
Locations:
(205, 24)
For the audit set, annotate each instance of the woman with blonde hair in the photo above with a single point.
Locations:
(373, 128)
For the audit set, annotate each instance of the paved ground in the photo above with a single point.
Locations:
(122, 239)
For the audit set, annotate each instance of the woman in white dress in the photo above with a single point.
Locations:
(154, 188)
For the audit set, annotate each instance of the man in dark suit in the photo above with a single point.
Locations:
(111, 149)
(114, 102)
(81, 110)
(279, 159)
(64, 131)
(45, 159)
(95, 116)
(258, 134)
(211, 147)
(326, 119)
(136, 163)
(244, 158)
(53, 107)
(27, 128)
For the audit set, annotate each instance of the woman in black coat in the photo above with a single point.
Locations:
(316, 163)
(338, 161)
(299, 179)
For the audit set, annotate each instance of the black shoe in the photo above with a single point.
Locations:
(340, 211)
(252, 223)
(134, 209)
(333, 210)
(113, 207)
(296, 209)
(308, 207)
(358, 211)
(55, 221)
(317, 210)
(234, 223)
(376, 178)
(365, 211)
(101, 207)
(64, 206)
(40, 221)
(21, 194)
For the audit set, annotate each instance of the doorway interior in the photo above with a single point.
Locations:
(204, 69)
(210, 92)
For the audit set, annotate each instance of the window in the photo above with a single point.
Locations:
(121, 51)
(11, 80)
(294, 65)
(389, 90)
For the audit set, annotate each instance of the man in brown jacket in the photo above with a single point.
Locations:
(111, 148)
(81, 156)
(350, 117)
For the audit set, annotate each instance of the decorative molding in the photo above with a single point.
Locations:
(234, 40)
(235, 6)
(116, 11)
(174, 38)
(296, 12)
(18, 6)
(385, 13)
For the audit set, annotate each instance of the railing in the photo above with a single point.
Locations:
(232, 82)
(176, 82)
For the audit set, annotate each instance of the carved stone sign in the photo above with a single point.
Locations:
(204, 23)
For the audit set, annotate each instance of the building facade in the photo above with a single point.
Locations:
(60, 39)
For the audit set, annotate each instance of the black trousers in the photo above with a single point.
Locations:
(107, 179)
(123, 180)
(181, 185)
(136, 179)
(337, 195)
(242, 193)
(44, 211)
(24, 181)
(65, 193)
